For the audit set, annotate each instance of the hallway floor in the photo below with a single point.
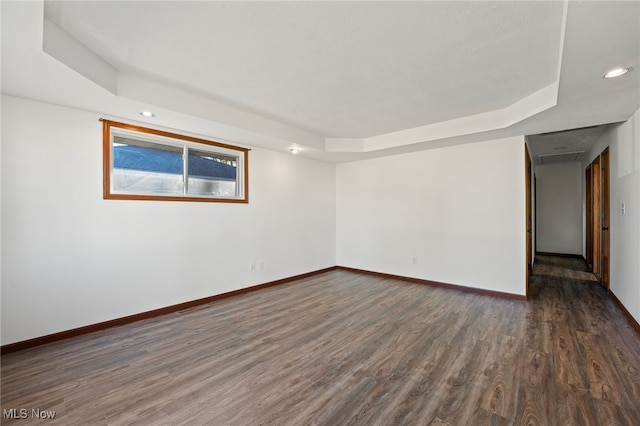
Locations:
(559, 267)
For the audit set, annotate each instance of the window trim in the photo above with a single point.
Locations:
(107, 125)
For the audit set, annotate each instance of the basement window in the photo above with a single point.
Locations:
(149, 164)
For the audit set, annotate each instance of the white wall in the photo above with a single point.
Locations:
(559, 208)
(459, 211)
(623, 141)
(71, 259)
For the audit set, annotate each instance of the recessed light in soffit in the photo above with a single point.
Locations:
(616, 72)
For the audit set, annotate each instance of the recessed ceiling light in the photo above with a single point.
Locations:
(617, 72)
(147, 114)
(294, 150)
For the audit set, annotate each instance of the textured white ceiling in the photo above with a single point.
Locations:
(341, 81)
(544, 147)
(339, 69)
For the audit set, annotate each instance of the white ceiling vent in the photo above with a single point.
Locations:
(565, 157)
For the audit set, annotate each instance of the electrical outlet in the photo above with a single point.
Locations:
(624, 209)
(253, 266)
(262, 266)
(414, 260)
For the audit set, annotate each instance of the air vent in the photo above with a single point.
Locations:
(565, 157)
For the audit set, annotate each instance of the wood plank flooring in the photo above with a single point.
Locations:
(565, 268)
(342, 348)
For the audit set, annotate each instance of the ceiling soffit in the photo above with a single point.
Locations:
(340, 77)
(564, 146)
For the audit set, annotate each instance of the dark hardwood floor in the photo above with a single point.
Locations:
(345, 348)
(563, 268)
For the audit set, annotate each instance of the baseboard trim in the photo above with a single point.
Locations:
(571, 256)
(462, 288)
(632, 321)
(50, 338)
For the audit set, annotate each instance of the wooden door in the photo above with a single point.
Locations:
(596, 215)
(529, 222)
(604, 222)
(589, 217)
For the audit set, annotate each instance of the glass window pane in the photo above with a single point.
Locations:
(212, 174)
(145, 167)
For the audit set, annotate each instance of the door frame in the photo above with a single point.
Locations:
(528, 217)
(588, 216)
(597, 212)
(596, 215)
(605, 219)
